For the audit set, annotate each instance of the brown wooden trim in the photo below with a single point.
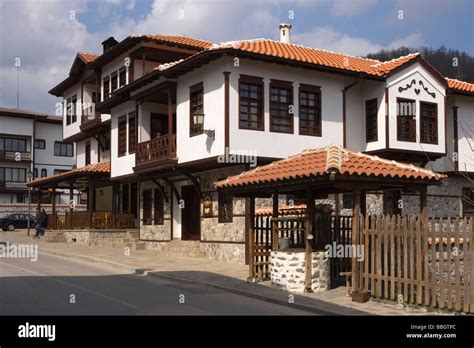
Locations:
(194, 89)
(222, 242)
(282, 85)
(247, 228)
(310, 89)
(436, 119)
(171, 215)
(257, 81)
(387, 119)
(456, 137)
(226, 109)
(398, 100)
(170, 110)
(367, 121)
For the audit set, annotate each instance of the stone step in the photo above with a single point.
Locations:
(187, 255)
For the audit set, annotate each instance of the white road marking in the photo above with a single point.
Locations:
(72, 285)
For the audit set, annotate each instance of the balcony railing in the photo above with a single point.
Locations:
(91, 220)
(13, 185)
(156, 150)
(15, 156)
(89, 117)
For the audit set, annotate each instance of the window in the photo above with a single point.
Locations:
(132, 132)
(158, 207)
(196, 98)
(40, 144)
(71, 112)
(44, 173)
(115, 82)
(122, 136)
(57, 171)
(406, 120)
(88, 153)
(428, 123)
(281, 100)
(468, 201)
(226, 208)
(251, 103)
(122, 76)
(20, 198)
(158, 125)
(347, 201)
(391, 199)
(13, 174)
(147, 207)
(63, 149)
(35, 173)
(13, 144)
(106, 87)
(310, 110)
(371, 108)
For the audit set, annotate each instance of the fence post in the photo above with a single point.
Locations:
(309, 236)
(357, 294)
(251, 238)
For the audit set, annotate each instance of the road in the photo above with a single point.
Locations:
(60, 286)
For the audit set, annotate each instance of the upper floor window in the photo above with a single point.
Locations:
(371, 108)
(106, 83)
(44, 173)
(122, 76)
(310, 110)
(115, 82)
(428, 123)
(71, 110)
(12, 144)
(251, 103)
(406, 120)
(40, 144)
(122, 136)
(132, 132)
(196, 98)
(63, 149)
(88, 153)
(13, 174)
(281, 104)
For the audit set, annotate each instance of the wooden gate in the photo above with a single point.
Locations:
(340, 236)
(414, 262)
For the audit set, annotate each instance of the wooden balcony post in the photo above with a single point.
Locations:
(355, 239)
(251, 237)
(275, 211)
(71, 203)
(170, 110)
(90, 204)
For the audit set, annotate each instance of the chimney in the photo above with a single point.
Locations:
(109, 43)
(285, 32)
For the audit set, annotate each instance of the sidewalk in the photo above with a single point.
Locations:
(222, 275)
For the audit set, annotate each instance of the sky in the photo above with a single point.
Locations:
(46, 34)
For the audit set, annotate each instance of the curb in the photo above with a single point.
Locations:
(153, 273)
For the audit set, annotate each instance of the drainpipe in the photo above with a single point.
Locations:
(344, 137)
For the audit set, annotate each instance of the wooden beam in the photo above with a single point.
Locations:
(226, 109)
(161, 189)
(175, 190)
(196, 184)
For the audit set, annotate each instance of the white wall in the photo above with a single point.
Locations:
(16, 126)
(51, 133)
(120, 165)
(465, 106)
(73, 128)
(401, 79)
(81, 151)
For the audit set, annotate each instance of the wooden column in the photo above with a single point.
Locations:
(275, 242)
(308, 241)
(71, 203)
(53, 208)
(90, 204)
(423, 205)
(251, 238)
(170, 110)
(357, 294)
(363, 203)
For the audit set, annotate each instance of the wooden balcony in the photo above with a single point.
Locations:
(12, 186)
(157, 152)
(15, 156)
(99, 220)
(89, 120)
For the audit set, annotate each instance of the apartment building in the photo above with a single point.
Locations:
(157, 119)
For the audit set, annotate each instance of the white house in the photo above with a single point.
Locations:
(175, 114)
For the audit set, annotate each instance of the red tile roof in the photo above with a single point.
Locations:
(460, 85)
(282, 209)
(90, 169)
(88, 57)
(179, 40)
(314, 163)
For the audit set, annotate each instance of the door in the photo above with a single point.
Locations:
(190, 214)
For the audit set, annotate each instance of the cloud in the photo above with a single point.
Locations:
(329, 39)
(349, 8)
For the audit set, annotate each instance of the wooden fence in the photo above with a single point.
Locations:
(419, 262)
(91, 220)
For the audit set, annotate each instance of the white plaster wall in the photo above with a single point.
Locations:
(81, 151)
(401, 79)
(120, 165)
(16, 126)
(371, 90)
(73, 128)
(465, 106)
(51, 133)
(144, 111)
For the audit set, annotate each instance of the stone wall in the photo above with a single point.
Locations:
(288, 270)
(87, 236)
(156, 232)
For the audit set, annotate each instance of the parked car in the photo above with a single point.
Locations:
(18, 220)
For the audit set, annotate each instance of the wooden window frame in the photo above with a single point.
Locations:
(40, 144)
(132, 132)
(412, 139)
(424, 126)
(106, 87)
(87, 151)
(193, 91)
(63, 145)
(122, 74)
(224, 199)
(281, 85)
(158, 207)
(257, 81)
(371, 135)
(147, 207)
(44, 172)
(318, 108)
(122, 136)
(19, 141)
(3, 176)
(114, 81)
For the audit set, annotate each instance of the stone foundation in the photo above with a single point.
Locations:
(87, 236)
(227, 252)
(288, 270)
